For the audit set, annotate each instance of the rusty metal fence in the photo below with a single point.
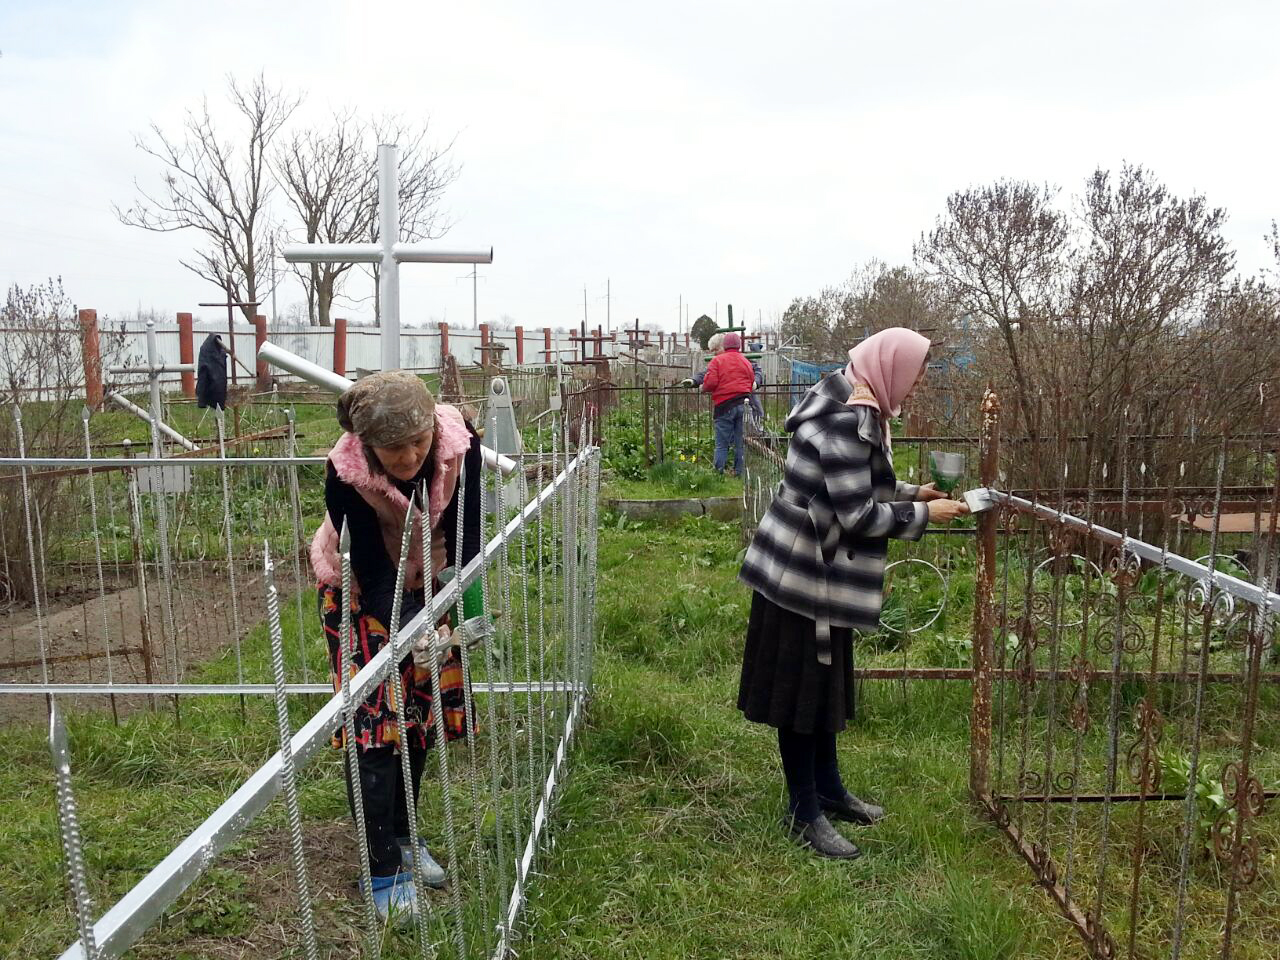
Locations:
(1124, 695)
(1125, 674)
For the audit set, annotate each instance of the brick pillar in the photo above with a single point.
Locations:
(340, 346)
(686, 340)
(484, 345)
(519, 345)
(661, 340)
(187, 353)
(444, 342)
(259, 338)
(546, 340)
(599, 343)
(92, 353)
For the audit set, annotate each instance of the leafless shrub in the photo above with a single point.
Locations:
(42, 375)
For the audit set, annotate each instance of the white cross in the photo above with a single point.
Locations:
(388, 253)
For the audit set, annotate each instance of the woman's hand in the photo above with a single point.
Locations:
(930, 492)
(944, 510)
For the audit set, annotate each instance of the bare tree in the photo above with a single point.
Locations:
(1111, 321)
(330, 180)
(220, 188)
(41, 360)
(876, 296)
(999, 252)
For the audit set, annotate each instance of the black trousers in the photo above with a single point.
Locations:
(386, 813)
(812, 771)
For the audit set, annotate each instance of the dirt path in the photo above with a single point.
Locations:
(76, 643)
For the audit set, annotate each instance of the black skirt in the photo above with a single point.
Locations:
(783, 684)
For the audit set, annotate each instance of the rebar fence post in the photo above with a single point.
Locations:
(398, 696)
(346, 647)
(648, 461)
(288, 771)
(70, 824)
(983, 607)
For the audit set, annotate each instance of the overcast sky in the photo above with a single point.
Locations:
(739, 152)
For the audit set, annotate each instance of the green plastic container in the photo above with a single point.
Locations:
(947, 469)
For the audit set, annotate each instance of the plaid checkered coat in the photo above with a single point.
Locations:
(820, 549)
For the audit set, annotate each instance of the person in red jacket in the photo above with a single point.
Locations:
(729, 379)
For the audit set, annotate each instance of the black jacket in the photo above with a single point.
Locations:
(211, 373)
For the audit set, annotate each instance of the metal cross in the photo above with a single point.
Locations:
(388, 253)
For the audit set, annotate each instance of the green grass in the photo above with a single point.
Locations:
(667, 837)
(673, 480)
(673, 846)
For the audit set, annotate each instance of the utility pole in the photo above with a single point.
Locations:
(274, 283)
(680, 315)
(475, 317)
(608, 303)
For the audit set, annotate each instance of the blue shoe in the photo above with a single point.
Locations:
(395, 898)
(433, 875)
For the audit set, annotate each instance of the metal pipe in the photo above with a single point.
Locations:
(159, 368)
(311, 372)
(141, 414)
(85, 463)
(314, 373)
(495, 688)
(412, 253)
(389, 268)
(153, 360)
(332, 253)
(1248, 592)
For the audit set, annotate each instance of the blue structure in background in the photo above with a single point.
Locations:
(804, 375)
(955, 363)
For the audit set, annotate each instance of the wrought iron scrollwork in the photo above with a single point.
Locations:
(1142, 760)
(1081, 673)
(1133, 639)
(1245, 801)
(1125, 569)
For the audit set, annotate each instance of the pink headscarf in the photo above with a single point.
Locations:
(882, 370)
(732, 341)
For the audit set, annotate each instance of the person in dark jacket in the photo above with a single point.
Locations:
(211, 373)
(730, 380)
(753, 401)
(817, 565)
(397, 440)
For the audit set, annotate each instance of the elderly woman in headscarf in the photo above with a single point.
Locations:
(397, 442)
(817, 565)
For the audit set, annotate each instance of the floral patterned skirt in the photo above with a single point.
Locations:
(376, 718)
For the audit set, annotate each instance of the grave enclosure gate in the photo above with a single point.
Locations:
(1117, 723)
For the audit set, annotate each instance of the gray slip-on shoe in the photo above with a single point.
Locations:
(851, 809)
(822, 838)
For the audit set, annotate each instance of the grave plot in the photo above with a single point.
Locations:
(166, 553)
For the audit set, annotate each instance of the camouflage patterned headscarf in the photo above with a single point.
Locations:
(386, 409)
